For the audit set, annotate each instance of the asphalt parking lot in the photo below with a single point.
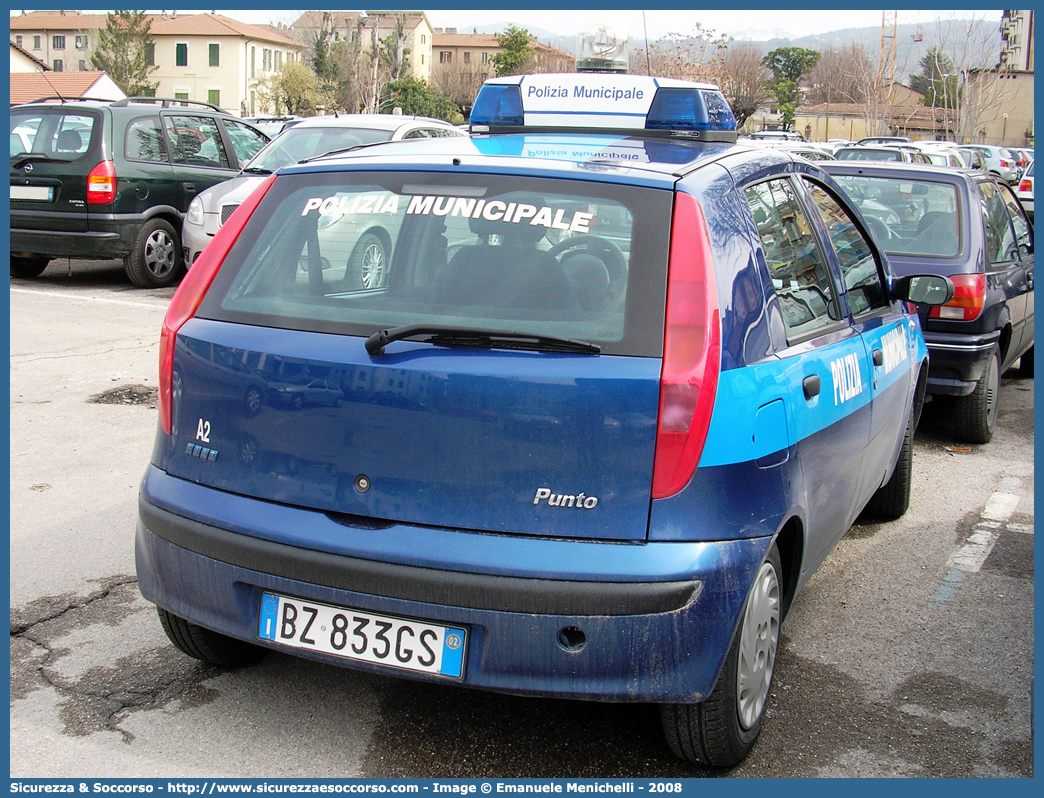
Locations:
(909, 653)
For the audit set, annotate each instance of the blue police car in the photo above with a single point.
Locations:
(626, 385)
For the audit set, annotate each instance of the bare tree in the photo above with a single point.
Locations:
(458, 81)
(837, 77)
(982, 87)
(746, 80)
(696, 56)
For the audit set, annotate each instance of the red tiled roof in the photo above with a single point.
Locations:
(29, 86)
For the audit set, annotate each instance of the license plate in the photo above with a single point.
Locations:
(364, 636)
(34, 193)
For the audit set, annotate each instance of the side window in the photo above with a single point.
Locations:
(1023, 231)
(1000, 239)
(858, 266)
(144, 141)
(416, 133)
(245, 140)
(195, 141)
(799, 275)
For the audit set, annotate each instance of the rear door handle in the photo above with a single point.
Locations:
(878, 356)
(190, 187)
(812, 385)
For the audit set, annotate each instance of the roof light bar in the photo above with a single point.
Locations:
(593, 102)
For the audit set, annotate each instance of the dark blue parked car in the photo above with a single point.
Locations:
(625, 387)
(969, 226)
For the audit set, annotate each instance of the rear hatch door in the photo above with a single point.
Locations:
(276, 395)
(52, 152)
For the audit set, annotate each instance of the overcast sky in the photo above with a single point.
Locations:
(758, 24)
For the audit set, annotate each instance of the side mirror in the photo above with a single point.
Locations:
(923, 289)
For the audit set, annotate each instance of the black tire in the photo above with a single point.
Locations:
(368, 264)
(203, 644)
(892, 500)
(156, 260)
(712, 732)
(976, 414)
(28, 268)
(1026, 364)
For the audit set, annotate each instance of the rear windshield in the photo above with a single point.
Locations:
(57, 135)
(299, 143)
(868, 154)
(908, 217)
(358, 252)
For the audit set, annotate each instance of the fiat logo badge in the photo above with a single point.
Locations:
(28, 167)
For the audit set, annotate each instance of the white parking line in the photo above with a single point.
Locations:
(970, 557)
(67, 297)
(1000, 506)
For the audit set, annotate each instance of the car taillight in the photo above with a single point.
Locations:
(101, 183)
(1026, 184)
(969, 295)
(191, 292)
(691, 351)
(1005, 163)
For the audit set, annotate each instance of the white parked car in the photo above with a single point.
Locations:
(309, 138)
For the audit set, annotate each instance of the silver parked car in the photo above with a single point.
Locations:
(1025, 191)
(999, 160)
(310, 138)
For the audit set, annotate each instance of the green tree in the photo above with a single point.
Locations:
(293, 89)
(414, 97)
(937, 80)
(516, 49)
(124, 50)
(789, 65)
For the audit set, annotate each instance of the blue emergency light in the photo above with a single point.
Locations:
(592, 102)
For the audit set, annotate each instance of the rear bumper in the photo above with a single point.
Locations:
(658, 617)
(58, 244)
(956, 362)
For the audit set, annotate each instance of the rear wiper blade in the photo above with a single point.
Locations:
(255, 170)
(471, 336)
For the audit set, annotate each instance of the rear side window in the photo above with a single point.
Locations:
(195, 141)
(856, 256)
(58, 135)
(1000, 238)
(144, 141)
(795, 263)
(356, 252)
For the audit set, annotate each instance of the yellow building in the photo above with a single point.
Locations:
(204, 57)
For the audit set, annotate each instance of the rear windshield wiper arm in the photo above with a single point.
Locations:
(25, 157)
(471, 336)
(255, 170)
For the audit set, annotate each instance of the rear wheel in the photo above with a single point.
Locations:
(27, 268)
(205, 645)
(368, 264)
(892, 499)
(155, 261)
(977, 412)
(721, 730)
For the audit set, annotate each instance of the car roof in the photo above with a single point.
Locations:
(900, 170)
(369, 121)
(610, 157)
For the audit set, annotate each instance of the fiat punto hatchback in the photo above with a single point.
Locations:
(625, 386)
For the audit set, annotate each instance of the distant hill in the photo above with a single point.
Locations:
(908, 52)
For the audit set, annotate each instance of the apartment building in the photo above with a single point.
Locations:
(342, 26)
(203, 57)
